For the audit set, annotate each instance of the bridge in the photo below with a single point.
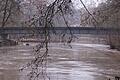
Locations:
(4, 32)
(74, 30)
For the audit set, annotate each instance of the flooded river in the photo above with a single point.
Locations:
(81, 62)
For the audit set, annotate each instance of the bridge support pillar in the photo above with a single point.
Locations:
(4, 41)
(4, 36)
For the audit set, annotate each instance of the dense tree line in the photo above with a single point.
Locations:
(9, 11)
(107, 15)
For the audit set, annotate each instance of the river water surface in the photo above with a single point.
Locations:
(81, 62)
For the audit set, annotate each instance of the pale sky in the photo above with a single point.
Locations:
(90, 3)
(77, 4)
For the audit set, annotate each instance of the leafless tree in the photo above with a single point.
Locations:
(46, 20)
(8, 10)
(107, 15)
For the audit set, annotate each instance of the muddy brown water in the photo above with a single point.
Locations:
(81, 62)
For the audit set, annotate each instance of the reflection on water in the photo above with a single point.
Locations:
(81, 62)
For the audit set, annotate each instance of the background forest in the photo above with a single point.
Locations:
(29, 13)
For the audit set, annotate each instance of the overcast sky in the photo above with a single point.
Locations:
(90, 3)
(77, 4)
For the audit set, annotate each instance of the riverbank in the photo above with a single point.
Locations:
(112, 46)
(8, 42)
(114, 42)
